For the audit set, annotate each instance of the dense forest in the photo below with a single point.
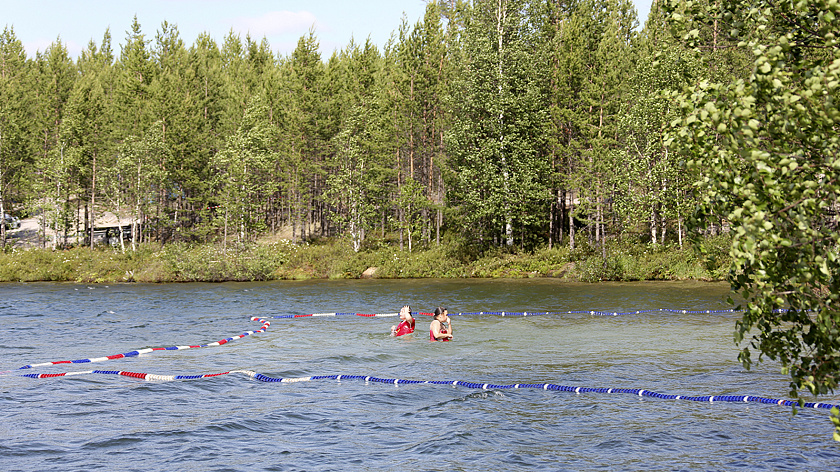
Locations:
(524, 123)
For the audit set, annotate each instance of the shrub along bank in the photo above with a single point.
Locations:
(336, 260)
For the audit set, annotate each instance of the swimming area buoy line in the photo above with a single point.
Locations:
(367, 379)
(138, 352)
(520, 313)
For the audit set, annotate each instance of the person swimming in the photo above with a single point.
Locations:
(441, 327)
(406, 326)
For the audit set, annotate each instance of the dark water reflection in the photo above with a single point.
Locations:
(235, 423)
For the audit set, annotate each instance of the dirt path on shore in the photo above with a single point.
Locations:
(28, 235)
(31, 235)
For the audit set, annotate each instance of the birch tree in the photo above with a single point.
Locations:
(241, 170)
(142, 176)
(768, 149)
(655, 189)
(497, 132)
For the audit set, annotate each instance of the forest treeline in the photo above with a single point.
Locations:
(525, 123)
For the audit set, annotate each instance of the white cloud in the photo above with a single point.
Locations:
(276, 23)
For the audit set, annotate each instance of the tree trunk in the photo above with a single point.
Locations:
(571, 221)
(401, 213)
(2, 206)
(224, 240)
(663, 222)
(679, 231)
(551, 215)
(122, 239)
(439, 222)
(653, 226)
(409, 231)
(426, 221)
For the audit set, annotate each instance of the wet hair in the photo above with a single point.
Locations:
(439, 310)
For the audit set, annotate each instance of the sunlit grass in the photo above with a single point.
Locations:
(334, 259)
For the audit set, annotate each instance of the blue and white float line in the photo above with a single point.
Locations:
(454, 383)
(516, 313)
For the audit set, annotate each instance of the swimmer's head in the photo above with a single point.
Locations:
(441, 311)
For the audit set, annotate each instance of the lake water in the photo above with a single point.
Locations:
(235, 423)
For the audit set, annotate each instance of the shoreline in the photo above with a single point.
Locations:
(335, 260)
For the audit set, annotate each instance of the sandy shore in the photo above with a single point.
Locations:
(27, 235)
(30, 234)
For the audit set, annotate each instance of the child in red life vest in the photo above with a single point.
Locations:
(406, 326)
(441, 327)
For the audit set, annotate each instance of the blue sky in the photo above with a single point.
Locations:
(37, 23)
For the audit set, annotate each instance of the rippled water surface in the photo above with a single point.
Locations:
(232, 422)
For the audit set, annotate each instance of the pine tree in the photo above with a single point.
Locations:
(305, 146)
(88, 127)
(608, 61)
(16, 143)
(243, 67)
(134, 75)
(402, 64)
(56, 74)
(419, 82)
(206, 89)
(172, 96)
(360, 173)
(561, 64)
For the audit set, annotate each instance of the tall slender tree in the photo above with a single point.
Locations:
(134, 75)
(15, 132)
(306, 144)
(172, 96)
(241, 170)
(359, 170)
(139, 165)
(88, 130)
(654, 189)
(497, 134)
(193, 174)
(56, 74)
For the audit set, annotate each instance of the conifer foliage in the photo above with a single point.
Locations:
(487, 123)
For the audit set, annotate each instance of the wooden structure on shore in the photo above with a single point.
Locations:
(109, 233)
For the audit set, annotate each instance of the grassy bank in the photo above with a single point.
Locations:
(335, 260)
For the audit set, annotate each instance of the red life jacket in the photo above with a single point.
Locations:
(404, 327)
(442, 331)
